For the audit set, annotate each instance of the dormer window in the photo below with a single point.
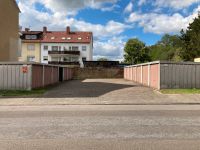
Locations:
(63, 38)
(69, 38)
(79, 38)
(52, 38)
(31, 37)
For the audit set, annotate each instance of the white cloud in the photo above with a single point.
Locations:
(177, 4)
(31, 17)
(128, 8)
(141, 2)
(111, 49)
(71, 7)
(162, 23)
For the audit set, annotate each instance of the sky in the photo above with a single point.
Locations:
(112, 22)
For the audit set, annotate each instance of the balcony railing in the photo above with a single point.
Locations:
(64, 52)
(63, 63)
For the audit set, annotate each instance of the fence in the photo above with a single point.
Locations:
(18, 76)
(165, 75)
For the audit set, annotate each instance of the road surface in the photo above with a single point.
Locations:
(100, 127)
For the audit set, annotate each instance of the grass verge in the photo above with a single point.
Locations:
(18, 93)
(180, 91)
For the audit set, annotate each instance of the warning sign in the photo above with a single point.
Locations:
(25, 69)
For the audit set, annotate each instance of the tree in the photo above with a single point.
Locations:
(136, 52)
(102, 59)
(191, 41)
(168, 48)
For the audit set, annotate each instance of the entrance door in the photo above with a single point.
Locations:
(60, 74)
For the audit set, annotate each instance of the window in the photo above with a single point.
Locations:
(45, 58)
(53, 38)
(69, 38)
(63, 38)
(75, 48)
(46, 47)
(74, 59)
(65, 49)
(54, 48)
(84, 48)
(84, 59)
(31, 37)
(31, 58)
(56, 59)
(79, 38)
(31, 47)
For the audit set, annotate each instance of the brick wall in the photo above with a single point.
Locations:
(95, 73)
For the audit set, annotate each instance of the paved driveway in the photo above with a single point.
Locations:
(102, 91)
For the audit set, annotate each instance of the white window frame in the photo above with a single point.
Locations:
(45, 58)
(84, 48)
(54, 47)
(31, 58)
(46, 46)
(31, 47)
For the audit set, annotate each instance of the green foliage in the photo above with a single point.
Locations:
(16, 93)
(136, 52)
(191, 41)
(102, 59)
(171, 47)
(180, 91)
(168, 48)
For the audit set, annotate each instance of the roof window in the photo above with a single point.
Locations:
(53, 38)
(79, 38)
(69, 38)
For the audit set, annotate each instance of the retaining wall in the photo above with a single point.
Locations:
(165, 75)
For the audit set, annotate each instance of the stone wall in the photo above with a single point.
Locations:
(96, 73)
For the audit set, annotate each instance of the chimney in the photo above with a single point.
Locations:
(27, 29)
(45, 29)
(68, 30)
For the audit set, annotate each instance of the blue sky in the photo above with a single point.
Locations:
(112, 22)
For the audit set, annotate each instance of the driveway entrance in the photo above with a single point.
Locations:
(112, 91)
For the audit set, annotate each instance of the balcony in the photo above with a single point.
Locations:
(64, 52)
(64, 63)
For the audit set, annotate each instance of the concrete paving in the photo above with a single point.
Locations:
(101, 92)
(102, 127)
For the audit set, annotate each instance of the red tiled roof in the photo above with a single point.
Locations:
(64, 37)
(31, 32)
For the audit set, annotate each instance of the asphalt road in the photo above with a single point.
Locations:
(101, 127)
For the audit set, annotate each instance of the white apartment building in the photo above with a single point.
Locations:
(66, 47)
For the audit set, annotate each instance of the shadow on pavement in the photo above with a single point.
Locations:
(80, 89)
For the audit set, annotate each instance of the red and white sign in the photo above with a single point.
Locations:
(25, 69)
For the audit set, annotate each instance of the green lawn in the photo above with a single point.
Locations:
(10, 93)
(180, 91)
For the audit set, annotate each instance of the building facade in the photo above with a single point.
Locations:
(197, 60)
(66, 47)
(57, 47)
(9, 30)
(30, 47)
